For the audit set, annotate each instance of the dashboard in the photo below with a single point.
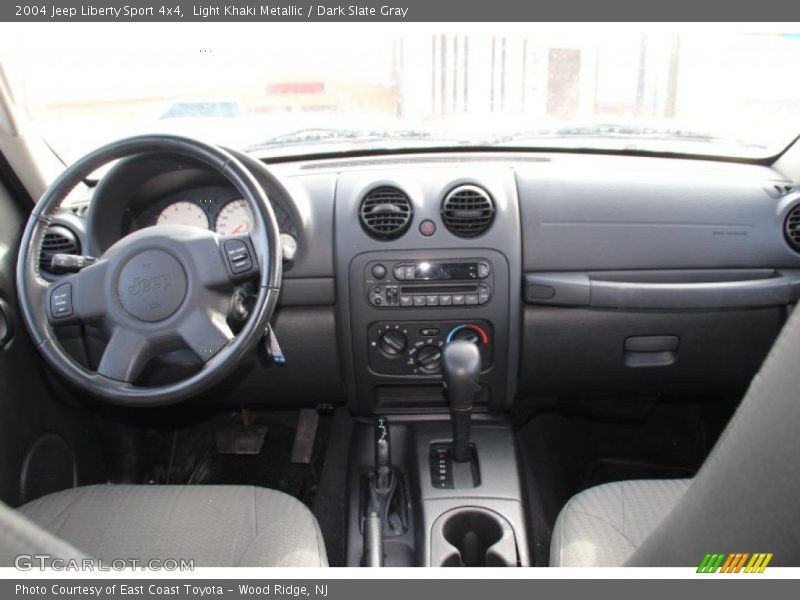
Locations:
(577, 275)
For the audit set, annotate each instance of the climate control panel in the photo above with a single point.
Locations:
(415, 348)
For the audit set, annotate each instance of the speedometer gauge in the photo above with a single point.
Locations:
(183, 213)
(235, 218)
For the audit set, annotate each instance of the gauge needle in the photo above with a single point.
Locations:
(238, 229)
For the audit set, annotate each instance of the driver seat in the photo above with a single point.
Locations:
(215, 525)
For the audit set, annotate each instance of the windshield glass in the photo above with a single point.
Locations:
(305, 89)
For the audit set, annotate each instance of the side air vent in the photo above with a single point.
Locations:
(791, 227)
(57, 240)
(467, 211)
(386, 212)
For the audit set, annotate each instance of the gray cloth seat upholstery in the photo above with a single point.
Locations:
(603, 526)
(219, 526)
(743, 498)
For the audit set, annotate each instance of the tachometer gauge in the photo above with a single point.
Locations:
(183, 213)
(288, 246)
(235, 218)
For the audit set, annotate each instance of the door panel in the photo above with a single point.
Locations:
(45, 445)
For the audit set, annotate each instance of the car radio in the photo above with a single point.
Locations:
(428, 283)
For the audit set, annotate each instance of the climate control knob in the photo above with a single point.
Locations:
(467, 335)
(429, 360)
(393, 343)
(469, 332)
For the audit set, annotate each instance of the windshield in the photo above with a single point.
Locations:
(299, 89)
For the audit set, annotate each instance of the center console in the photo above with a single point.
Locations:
(429, 328)
(471, 516)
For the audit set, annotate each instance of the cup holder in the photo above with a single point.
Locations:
(473, 537)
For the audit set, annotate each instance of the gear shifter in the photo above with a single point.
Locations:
(462, 366)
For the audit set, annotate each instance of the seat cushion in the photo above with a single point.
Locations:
(602, 526)
(217, 526)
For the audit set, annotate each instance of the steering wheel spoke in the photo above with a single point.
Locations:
(205, 332)
(125, 356)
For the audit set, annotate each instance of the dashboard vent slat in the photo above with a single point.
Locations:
(468, 211)
(791, 228)
(386, 212)
(57, 240)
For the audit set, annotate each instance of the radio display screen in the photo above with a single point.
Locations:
(444, 271)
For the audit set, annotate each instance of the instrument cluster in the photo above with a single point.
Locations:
(218, 208)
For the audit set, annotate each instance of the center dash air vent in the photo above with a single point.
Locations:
(386, 212)
(468, 211)
(791, 227)
(57, 240)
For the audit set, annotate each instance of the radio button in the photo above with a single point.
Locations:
(483, 294)
(445, 300)
(472, 299)
(458, 300)
(409, 273)
(419, 300)
(432, 300)
(483, 270)
(406, 301)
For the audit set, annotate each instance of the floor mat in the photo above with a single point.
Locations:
(330, 503)
(566, 451)
(191, 454)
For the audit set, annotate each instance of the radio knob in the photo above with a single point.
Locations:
(429, 360)
(392, 343)
(379, 271)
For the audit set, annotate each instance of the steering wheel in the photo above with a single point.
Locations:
(157, 290)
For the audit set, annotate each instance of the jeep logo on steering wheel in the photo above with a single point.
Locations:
(149, 284)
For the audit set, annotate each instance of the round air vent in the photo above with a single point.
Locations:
(57, 240)
(467, 211)
(791, 227)
(386, 212)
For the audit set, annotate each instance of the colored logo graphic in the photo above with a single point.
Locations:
(735, 562)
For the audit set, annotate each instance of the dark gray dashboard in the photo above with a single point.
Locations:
(613, 275)
(610, 213)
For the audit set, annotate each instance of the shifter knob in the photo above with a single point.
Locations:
(462, 368)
